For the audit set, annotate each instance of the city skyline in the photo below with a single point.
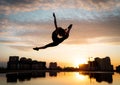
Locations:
(27, 24)
(23, 63)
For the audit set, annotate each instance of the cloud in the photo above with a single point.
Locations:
(102, 4)
(84, 31)
(106, 40)
(10, 6)
(34, 11)
(39, 34)
(24, 10)
(25, 34)
(30, 22)
(22, 48)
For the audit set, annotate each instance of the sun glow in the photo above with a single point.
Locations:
(79, 76)
(79, 61)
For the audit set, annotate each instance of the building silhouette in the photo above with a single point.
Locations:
(99, 64)
(23, 63)
(118, 68)
(38, 65)
(84, 67)
(103, 64)
(13, 63)
(53, 65)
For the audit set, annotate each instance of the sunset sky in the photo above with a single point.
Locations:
(25, 24)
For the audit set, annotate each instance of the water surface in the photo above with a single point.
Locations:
(60, 78)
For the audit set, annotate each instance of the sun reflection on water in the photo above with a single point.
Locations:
(80, 76)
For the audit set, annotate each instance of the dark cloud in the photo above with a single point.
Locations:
(6, 41)
(9, 6)
(13, 2)
(100, 1)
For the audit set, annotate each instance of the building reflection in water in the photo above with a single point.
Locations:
(53, 73)
(26, 76)
(11, 77)
(107, 77)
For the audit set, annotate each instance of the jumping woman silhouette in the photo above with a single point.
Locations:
(58, 35)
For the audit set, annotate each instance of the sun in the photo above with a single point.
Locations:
(77, 62)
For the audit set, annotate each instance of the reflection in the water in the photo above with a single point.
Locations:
(107, 77)
(23, 76)
(26, 76)
(53, 74)
(11, 77)
(80, 76)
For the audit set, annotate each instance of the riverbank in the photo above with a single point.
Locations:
(22, 71)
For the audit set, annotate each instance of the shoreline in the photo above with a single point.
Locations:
(24, 71)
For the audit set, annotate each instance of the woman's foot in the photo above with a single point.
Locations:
(37, 49)
(70, 26)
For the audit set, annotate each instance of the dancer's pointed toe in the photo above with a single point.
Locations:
(37, 49)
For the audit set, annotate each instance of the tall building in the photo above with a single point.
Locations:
(13, 62)
(38, 65)
(101, 64)
(23, 63)
(53, 65)
(83, 67)
(118, 68)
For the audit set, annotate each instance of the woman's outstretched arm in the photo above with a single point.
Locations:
(55, 22)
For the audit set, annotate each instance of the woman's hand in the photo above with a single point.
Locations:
(53, 14)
